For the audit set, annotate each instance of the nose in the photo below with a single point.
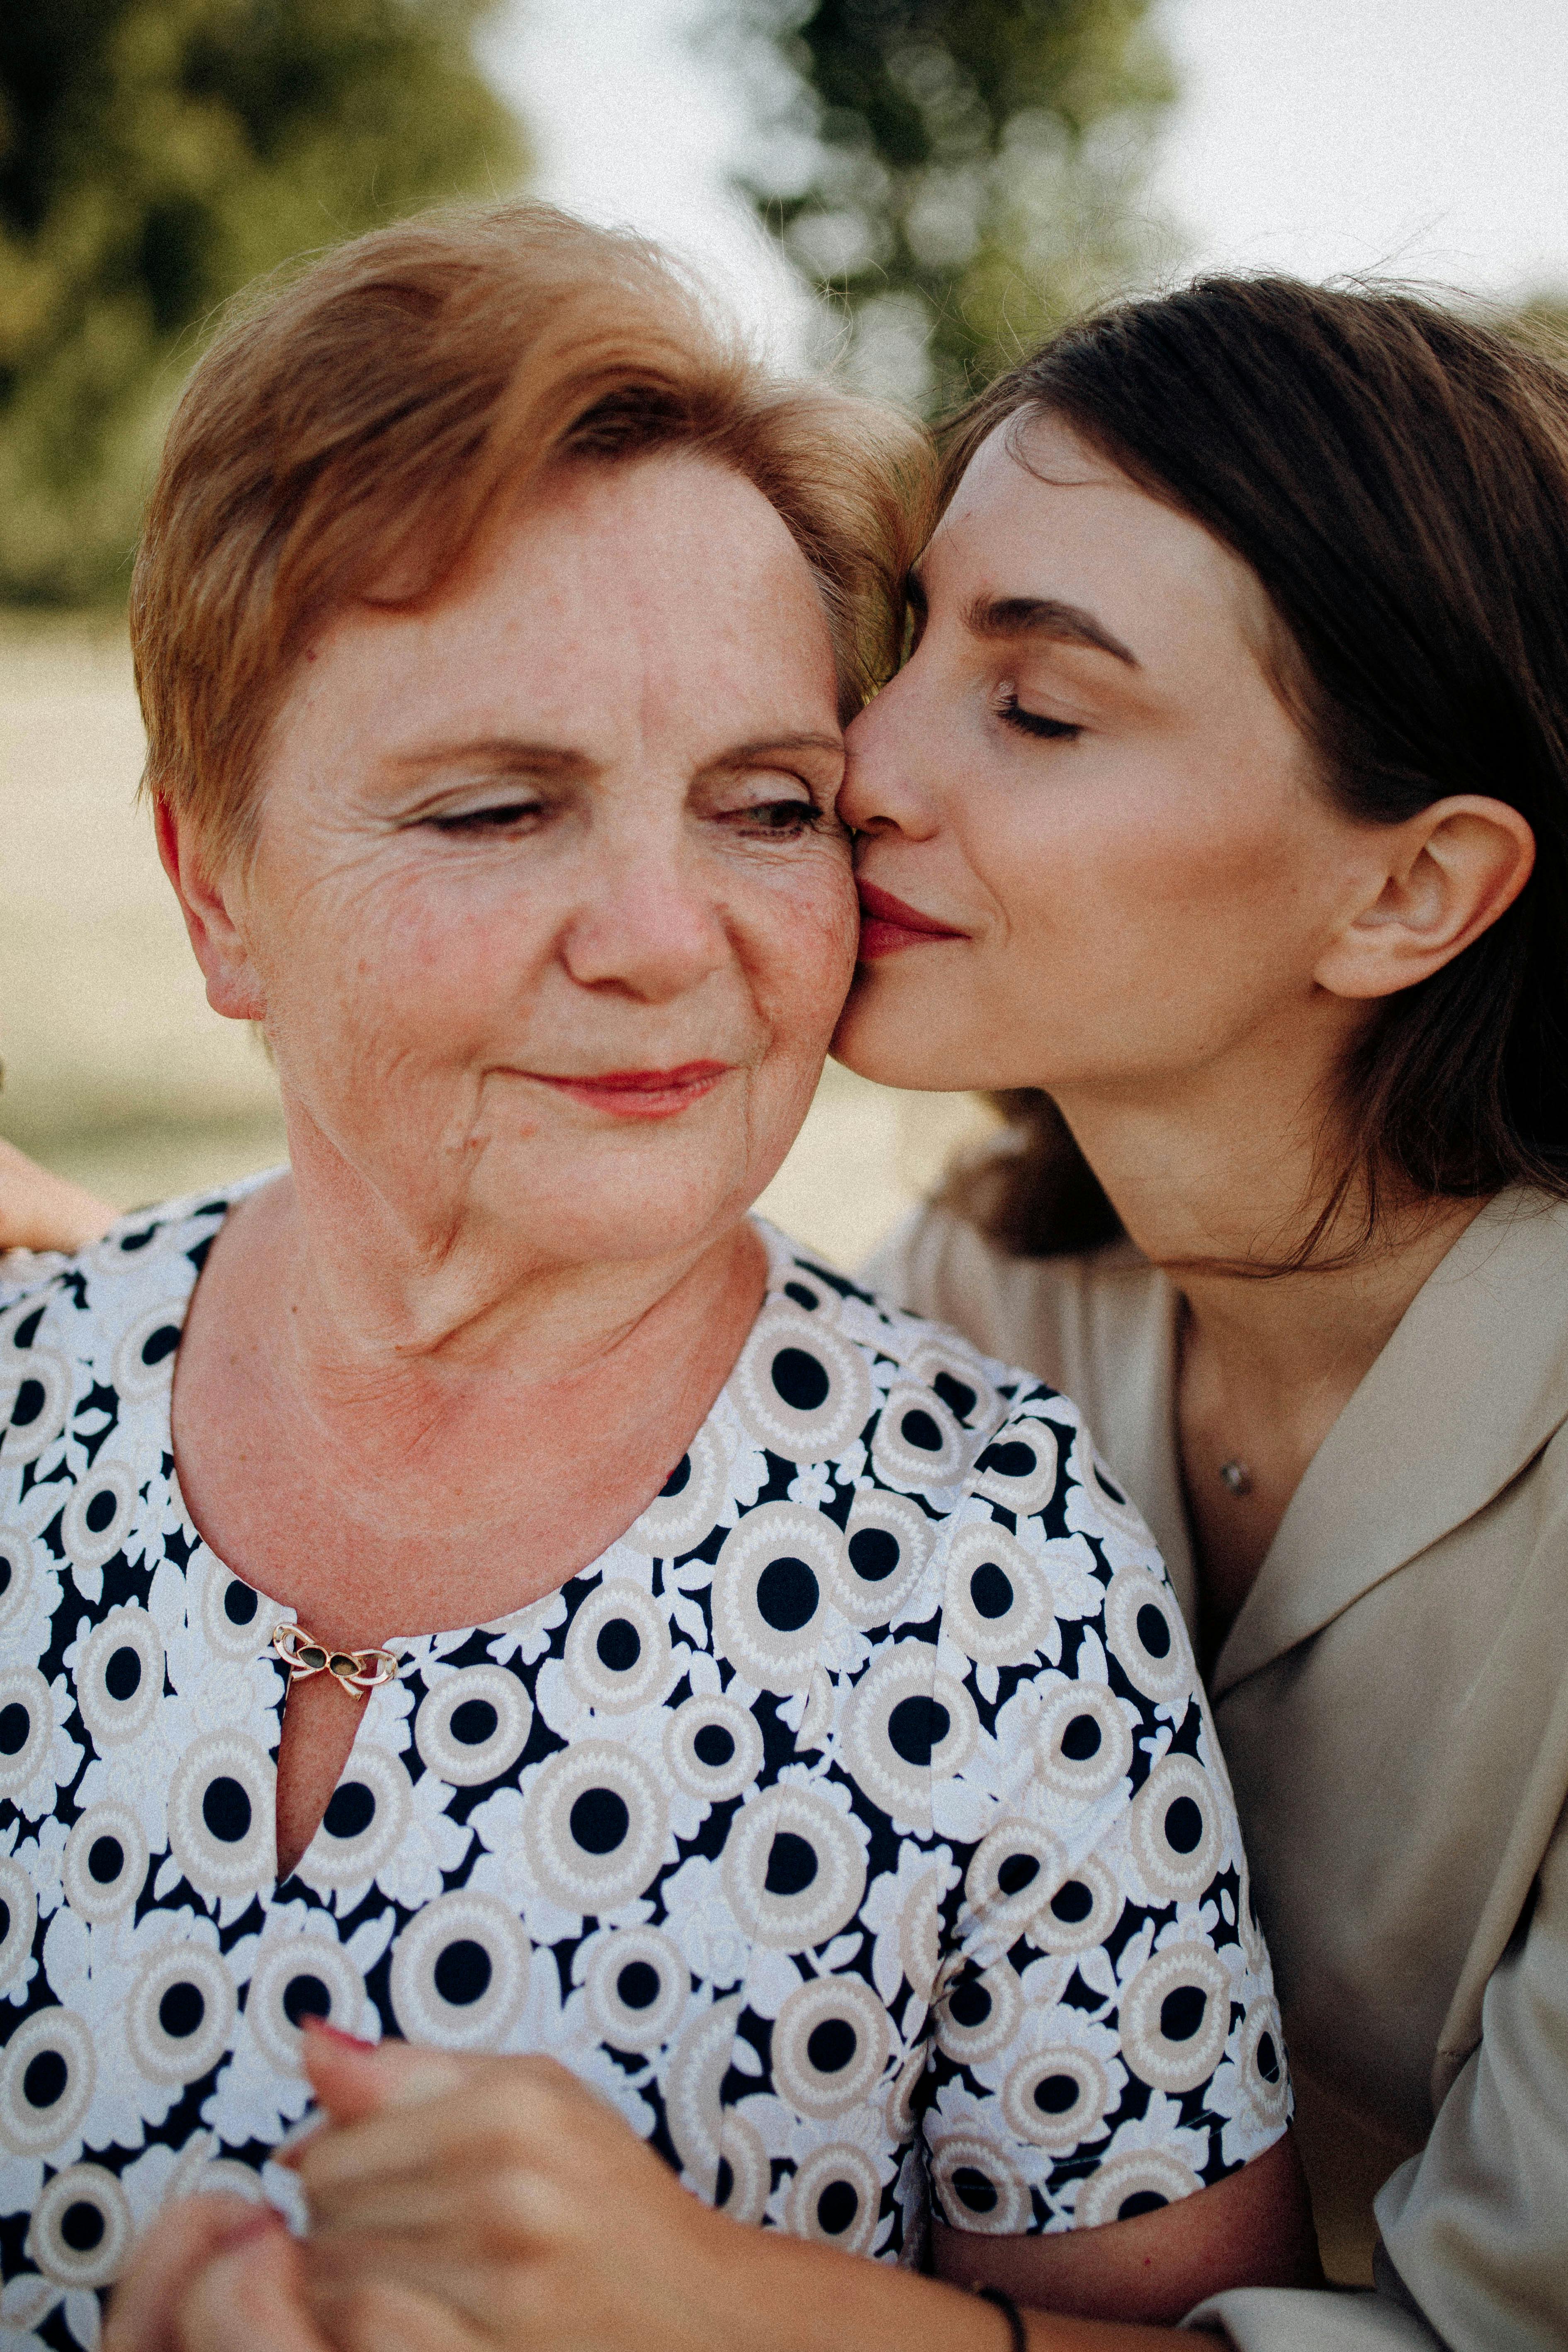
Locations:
(886, 788)
(649, 926)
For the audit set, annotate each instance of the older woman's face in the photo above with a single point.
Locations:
(550, 914)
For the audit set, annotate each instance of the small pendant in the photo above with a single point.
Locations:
(357, 1670)
(1235, 1478)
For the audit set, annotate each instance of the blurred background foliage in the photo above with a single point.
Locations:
(959, 175)
(156, 154)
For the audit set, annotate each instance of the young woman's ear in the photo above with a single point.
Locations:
(204, 894)
(1448, 874)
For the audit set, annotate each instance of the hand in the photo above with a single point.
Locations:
(212, 2272)
(41, 1212)
(506, 2191)
(216, 2272)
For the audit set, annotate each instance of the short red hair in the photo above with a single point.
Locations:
(359, 422)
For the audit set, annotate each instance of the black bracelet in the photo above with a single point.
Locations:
(1010, 2313)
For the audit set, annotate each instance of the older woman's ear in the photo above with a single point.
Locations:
(206, 890)
(1445, 876)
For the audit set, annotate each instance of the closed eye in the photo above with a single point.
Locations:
(1034, 722)
(779, 819)
(497, 818)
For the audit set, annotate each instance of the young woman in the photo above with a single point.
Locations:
(1218, 819)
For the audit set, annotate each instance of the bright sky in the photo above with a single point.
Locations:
(1424, 137)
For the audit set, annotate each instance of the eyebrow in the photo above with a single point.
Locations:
(1045, 616)
(741, 754)
(519, 758)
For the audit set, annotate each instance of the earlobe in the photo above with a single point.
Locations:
(1448, 874)
(234, 988)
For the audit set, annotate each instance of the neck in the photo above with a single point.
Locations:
(1212, 1181)
(393, 1355)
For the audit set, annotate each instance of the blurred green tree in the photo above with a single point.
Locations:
(154, 154)
(962, 173)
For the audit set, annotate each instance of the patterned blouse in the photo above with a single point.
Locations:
(854, 1824)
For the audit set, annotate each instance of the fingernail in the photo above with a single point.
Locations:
(335, 2033)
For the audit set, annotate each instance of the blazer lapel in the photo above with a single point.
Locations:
(1469, 1388)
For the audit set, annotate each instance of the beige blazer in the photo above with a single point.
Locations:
(1392, 1699)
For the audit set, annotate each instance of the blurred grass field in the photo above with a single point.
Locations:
(118, 1073)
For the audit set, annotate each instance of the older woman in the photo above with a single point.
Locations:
(1225, 802)
(544, 1615)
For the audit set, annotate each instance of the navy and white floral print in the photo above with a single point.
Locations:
(855, 1824)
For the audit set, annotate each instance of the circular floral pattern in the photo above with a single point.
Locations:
(795, 1871)
(918, 1441)
(180, 2016)
(221, 1829)
(96, 1518)
(830, 2044)
(105, 1863)
(910, 1726)
(472, 1726)
(886, 1548)
(770, 1590)
(1057, 2098)
(1139, 2182)
(82, 2228)
(460, 1974)
(637, 1987)
(800, 1389)
(1018, 1469)
(713, 1748)
(1145, 1634)
(712, 1823)
(617, 1651)
(688, 1503)
(835, 2197)
(1175, 1830)
(1080, 1911)
(35, 1400)
(297, 1976)
(363, 1824)
(998, 1599)
(980, 2185)
(978, 2015)
(46, 2080)
(26, 1726)
(120, 1677)
(18, 1919)
(238, 1621)
(1085, 1741)
(596, 1826)
(19, 1576)
(1175, 2017)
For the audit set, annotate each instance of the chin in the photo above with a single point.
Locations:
(897, 1048)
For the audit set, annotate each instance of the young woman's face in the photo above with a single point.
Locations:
(1084, 787)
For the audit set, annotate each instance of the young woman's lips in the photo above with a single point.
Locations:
(887, 924)
(640, 1093)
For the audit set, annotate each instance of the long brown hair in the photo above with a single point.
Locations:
(1395, 474)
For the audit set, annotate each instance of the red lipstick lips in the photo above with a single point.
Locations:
(640, 1093)
(887, 924)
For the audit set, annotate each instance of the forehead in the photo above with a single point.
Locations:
(1040, 513)
(668, 572)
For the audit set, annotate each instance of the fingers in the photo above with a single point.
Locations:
(386, 2317)
(182, 2240)
(356, 2079)
(249, 2295)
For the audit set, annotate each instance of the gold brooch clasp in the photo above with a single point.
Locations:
(357, 1670)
